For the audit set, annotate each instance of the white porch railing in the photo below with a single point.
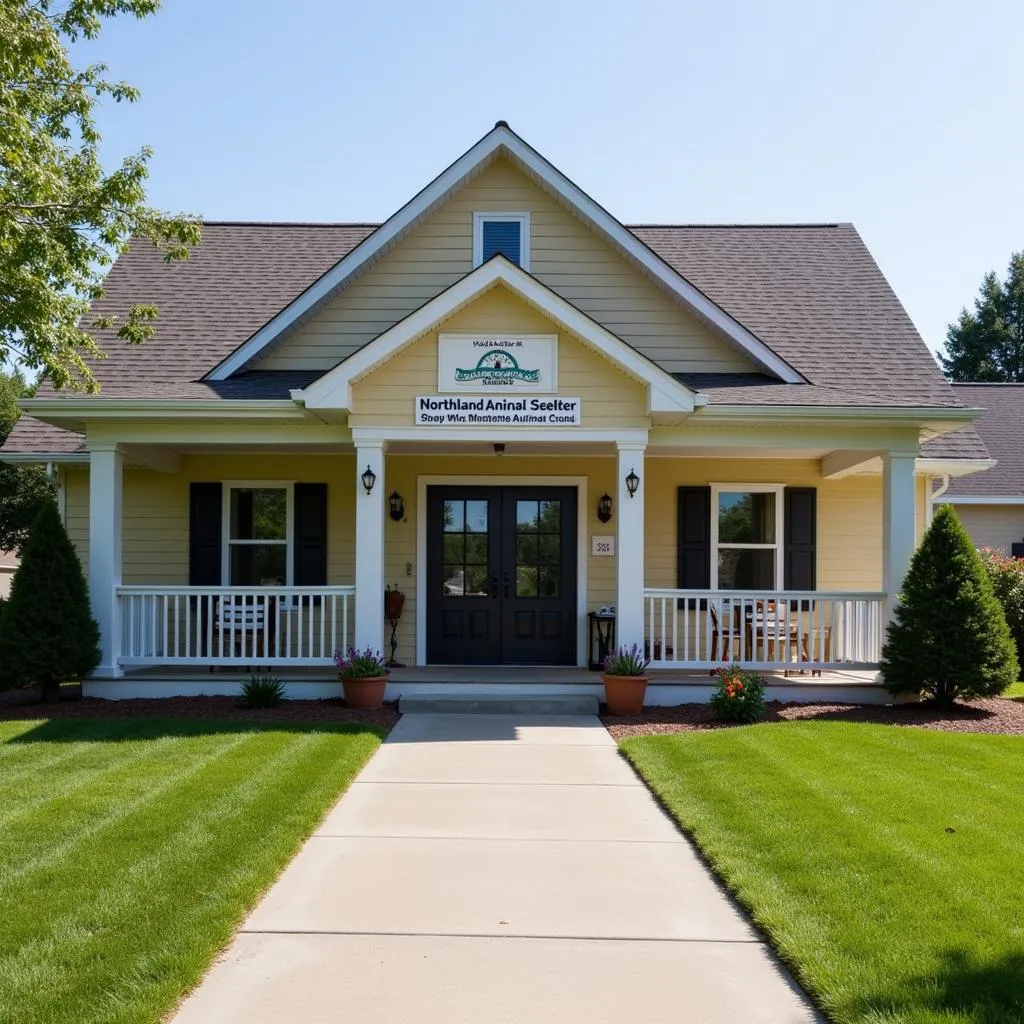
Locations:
(236, 626)
(787, 630)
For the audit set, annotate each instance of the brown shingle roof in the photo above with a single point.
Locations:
(812, 293)
(1002, 430)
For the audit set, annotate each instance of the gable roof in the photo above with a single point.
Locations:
(1002, 431)
(501, 141)
(333, 389)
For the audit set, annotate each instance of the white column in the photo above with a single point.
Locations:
(899, 511)
(105, 512)
(370, 547)
(629, 553)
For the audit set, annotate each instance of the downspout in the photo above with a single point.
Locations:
(942, 488)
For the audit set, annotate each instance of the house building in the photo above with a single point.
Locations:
(8, 566)
(518, 411)
(991, 504)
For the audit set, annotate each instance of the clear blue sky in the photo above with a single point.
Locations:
(903, 117)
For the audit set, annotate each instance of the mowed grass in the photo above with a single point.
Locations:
(883, 863)
(1014, 690)
(130, 850)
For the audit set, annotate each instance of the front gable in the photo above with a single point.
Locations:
(380, 384)
(577, 250)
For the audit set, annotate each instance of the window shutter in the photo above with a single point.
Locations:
(799, 553)
(504, 236)
(693, 569)
(204, 535)
(310, 565)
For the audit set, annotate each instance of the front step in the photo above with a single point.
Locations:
(495, 704)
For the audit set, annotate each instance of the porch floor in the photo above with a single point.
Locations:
(487, 675)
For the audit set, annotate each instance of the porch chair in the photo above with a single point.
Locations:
(769, 624)
(246, 623)
(721, 636)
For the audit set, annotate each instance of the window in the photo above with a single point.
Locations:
(746, 536)
(505, 233)
(258, 532)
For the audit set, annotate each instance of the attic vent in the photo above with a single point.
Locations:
(507, 234)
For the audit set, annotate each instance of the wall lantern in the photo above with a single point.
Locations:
(369, 478)
(397, 506)
(604, 507)
(632, 482)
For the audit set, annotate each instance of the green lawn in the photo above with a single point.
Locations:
(1014, 690)
(130, 850)
(884, 863)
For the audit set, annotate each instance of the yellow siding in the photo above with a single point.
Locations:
(566, 256)
(993, 526)
(76, 511)
(849, 542)
(610, 398)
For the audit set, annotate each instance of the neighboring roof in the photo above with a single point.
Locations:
(8, 560)
(501, 141)
(32, 435)
(1002, 430)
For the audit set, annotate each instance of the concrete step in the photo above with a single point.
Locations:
(496, 704)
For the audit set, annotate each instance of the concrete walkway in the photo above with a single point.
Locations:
(487, 869)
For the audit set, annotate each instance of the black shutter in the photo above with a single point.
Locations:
(204, 530)
(693, 523)
(310, 566)
(799, 552)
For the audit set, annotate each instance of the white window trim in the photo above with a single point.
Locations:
(288, 486)
(524, 235)
(780, 527)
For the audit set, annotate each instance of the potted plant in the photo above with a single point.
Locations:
(625, 680)
(363, 676)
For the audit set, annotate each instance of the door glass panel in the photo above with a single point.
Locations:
(476, 517)
(452, 581)
(526, 581)
(549, 519)
(454, 544)
(549, 549)
(549, 581)
(526, 549)
(476, 581)
(476, 548)
(454, 516)
(526, 515)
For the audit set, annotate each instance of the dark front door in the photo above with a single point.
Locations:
(501, 575)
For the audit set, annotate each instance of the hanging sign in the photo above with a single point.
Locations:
(497, 362)
(498, 410)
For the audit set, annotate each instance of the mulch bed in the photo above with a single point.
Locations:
(987, 715)
(25, 704)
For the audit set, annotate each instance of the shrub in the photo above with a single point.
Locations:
(739, 696)
(626, 661)
(949, 636)
(48, 634)
(368, 664)
(1007, 577)
(260, 691)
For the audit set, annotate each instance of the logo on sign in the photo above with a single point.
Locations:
(497, 367)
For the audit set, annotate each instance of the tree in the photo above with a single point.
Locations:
(988, 344)
(23, 489)
(48, 634)
(949, 636)
(63, 219)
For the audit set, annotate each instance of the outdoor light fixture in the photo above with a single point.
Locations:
(632, 482)
(369, 478)
(397, 506)
(604, 507)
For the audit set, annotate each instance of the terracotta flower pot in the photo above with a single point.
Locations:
(624, 695)
(364, 693)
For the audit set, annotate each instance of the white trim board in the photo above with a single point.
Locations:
(333, 391)
(582, 545)
(501, 140)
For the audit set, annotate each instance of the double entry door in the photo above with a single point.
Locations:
(501, 575)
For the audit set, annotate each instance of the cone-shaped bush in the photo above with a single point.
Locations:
(48, 634)
(949, 636)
